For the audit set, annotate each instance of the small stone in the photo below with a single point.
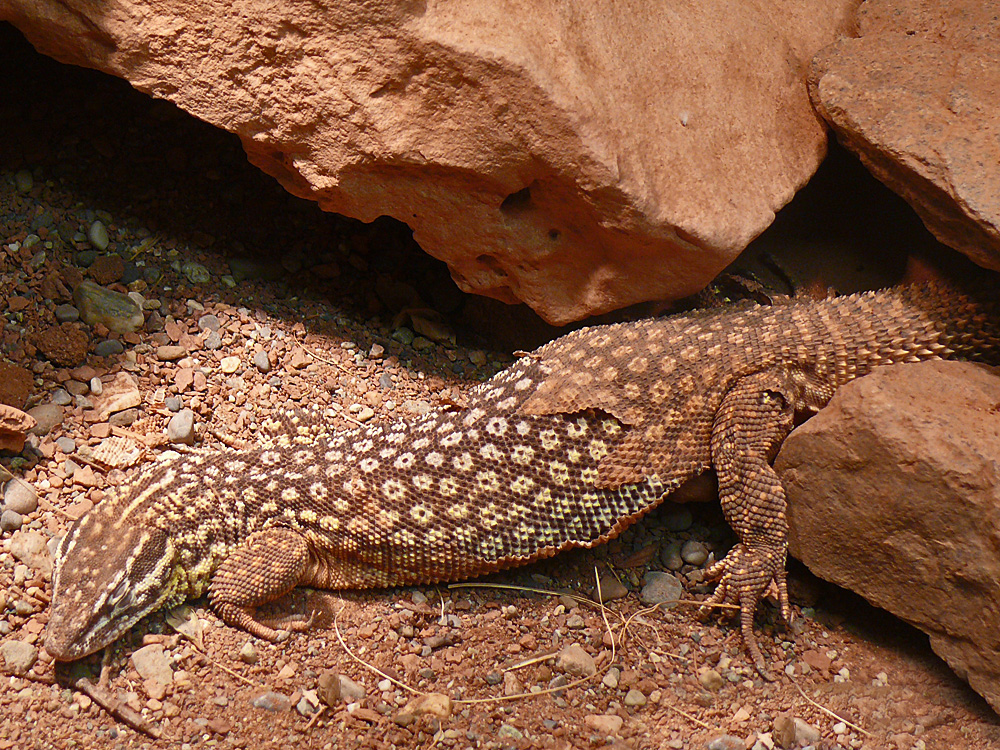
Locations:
(118, 394)
(725, 742)
(350, 691)
(48, 417)
(805, 732)
(153, 663)
(30, 548)
(218, 725)
(109, 348)
(10, 520)
(385, 382)
(67, 314)
(23, 181)
(18, 657)
(107, 269)
(365, 414)
(575, 622)
(710, 679)
(272, 701)
(328, 688)
(678, 518)
(180, 428)
(404, 335)
(196, 273)
(97, 234)
(611, 677)
(506, 730)
(213, 341)
(64, 344)
(248, 654)
(304, 707)
(61, 397)
(661, 589)
(610, 588)
(784, 731)
(262, 362)
(431, 704)
(229, 365)
(575, 661)
(694, 553)
(209, 322)
(170, 353)
(117, 312)
(634, 698)
(96, 386)
(606, 724)
(19, 497)
(376, 352)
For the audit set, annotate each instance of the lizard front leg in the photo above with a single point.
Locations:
(753, 420)
(268, 566)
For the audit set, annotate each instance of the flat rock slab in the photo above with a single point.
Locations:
(578, 157)
(894, 492)
(916, 98)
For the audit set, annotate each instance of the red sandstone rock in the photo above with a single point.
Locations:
(14, 426)
(916, 98)
(578, 157)
(894, 492)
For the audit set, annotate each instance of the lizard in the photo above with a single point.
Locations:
(565, 448)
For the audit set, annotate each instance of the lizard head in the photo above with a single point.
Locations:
(107, 577)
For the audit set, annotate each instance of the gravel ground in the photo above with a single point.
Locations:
(254, 301)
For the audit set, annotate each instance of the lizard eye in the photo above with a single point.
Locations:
(120, 592)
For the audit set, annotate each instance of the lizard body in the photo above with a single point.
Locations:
(565, 448)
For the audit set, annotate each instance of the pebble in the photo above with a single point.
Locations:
(575, 661)
(376, 352)
(404, 336)
(710, 679)
(248, 654)
(67, 314)
(506, 730)
(606, 724)
(661, 589)
(784, 731)
(611, 678)
(97, 234)
(196, 273)
(170, 353)
(10, 520)
(173, 403)
(153, 663)
(328, 688)
(365, 414)
(48, 416)
(96, 386)
(61, 397)
(23, 181)
(272, 701)
(262, 362)
(694, 553)
(180, 428)
(18, 657)
(30, 548)
(213, 341)
(610, 588)
(805, 732)
(438, 705)
(229, 365)
(19, 497)
(64, 344)
(678, 518)
(109, 348)
(116, 312)
(634, 698)
(575, 622)
(725, 742)
(209, 322)
(385, 382)
(350, 691)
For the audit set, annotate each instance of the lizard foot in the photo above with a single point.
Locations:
(745, 576)
(275, 630)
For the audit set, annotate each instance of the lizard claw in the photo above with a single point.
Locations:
(745, 576)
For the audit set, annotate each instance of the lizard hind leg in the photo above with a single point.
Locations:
(266, 568)
(755, 416)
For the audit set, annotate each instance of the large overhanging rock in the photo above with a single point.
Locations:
(575, 156)
(894, 492)
(916, 97)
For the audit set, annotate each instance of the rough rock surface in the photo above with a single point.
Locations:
(894, 492)
(577, 157)
(14, 426)
(915, 97)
